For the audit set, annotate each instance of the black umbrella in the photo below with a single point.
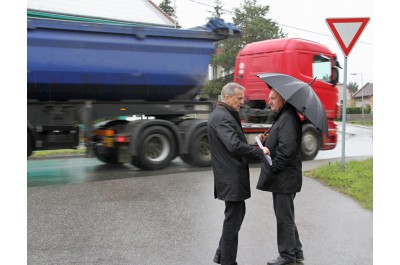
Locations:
(300, 95)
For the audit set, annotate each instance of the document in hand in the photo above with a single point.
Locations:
(261, 146)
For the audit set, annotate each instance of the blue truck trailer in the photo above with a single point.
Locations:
(79, 72)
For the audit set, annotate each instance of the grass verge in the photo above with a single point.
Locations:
(365, 123)
(355, 181)
(47, 153)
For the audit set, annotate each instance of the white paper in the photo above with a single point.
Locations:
(269, 159)
(261, 146)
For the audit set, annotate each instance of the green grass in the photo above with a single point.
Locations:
(46, 153)
(355, 181)
(365, 123)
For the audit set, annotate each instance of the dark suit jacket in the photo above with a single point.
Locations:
(284, 143)
(228, 151)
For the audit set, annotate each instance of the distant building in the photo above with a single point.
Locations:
(349, 100)
(137, 12)
(364, 96)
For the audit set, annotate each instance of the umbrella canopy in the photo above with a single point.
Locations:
(300, 95)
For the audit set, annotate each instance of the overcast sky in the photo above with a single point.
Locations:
(300, 19)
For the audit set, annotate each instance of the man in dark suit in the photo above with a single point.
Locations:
(284, 177)
(229, 150)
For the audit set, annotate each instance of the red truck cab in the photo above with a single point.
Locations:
(299, 58)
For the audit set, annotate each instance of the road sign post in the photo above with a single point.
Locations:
(346, 32)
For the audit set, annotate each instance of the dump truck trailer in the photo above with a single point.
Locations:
(83, 72)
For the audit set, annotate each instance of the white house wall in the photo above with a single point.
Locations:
(140, 11)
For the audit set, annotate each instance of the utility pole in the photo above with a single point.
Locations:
(175, 20)
(362, 97)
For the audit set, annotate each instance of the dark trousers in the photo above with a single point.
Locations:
(228, 244)
(288, 237)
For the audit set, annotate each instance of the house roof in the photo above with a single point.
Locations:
(134, 11)
(366, 91)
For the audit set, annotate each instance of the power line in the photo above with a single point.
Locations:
(197, 2)
(313, 32)
(309, 31)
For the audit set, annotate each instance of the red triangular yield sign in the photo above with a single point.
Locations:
(347, 31)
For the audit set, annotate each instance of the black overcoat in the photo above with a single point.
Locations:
(284, 143)
(229, 150)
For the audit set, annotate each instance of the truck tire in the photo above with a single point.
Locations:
(157, 147)
(106, 154)
(199, 149)
(310, 142)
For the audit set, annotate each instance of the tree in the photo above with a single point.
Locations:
(214, 86)
(165, 5)
(218, 9)
(353, 87)
(251, 19)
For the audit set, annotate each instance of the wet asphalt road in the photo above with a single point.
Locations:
(81, 211)
(79, 169)
(172, 218)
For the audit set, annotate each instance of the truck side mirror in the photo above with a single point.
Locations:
(335, 72)
(335, 76)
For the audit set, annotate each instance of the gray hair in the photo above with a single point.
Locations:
(229, 89)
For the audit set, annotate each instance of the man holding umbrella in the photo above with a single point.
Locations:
(229, 150)
(284, 177)
(288, 97)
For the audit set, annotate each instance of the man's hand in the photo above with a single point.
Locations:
(265, 150)
(262, 137)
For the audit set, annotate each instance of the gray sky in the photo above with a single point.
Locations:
(301, 19)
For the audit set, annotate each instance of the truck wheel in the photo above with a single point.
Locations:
(199, 149)
(108, 155)
(310, 142)
(156, 148)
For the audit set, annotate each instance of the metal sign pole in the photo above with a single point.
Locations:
(343, 29)
(344, 115)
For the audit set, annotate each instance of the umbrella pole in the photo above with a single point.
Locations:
(312, 81)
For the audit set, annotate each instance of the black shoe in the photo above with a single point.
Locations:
(299, 256)
(217, 259)
(281, 261)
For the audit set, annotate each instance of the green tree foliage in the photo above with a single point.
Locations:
(353, 87)
(213, 87)
(167, 8)
(252, 19)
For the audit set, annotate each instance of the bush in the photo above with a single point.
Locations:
(357, 110)
(212, 88)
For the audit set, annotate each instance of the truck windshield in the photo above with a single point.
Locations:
(322, 68)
